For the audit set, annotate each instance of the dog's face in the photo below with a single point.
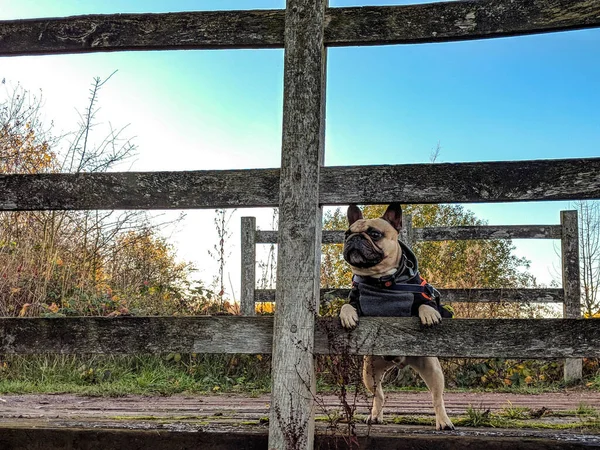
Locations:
(371, 245)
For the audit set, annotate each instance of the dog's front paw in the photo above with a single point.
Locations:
(348, 316)
(429, 316)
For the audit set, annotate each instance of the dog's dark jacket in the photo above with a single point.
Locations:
(396, 295)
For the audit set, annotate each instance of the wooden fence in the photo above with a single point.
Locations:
(299, 188)
(569, 295)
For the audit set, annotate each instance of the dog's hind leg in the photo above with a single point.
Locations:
(374, 368)
(430, 370)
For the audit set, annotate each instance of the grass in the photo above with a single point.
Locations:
(515, 412)
(586, 410)
(112, 375)
(479, 418)
(123, 375)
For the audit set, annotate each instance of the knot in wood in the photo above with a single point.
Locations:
(294, 328)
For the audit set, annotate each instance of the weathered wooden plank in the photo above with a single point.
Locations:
(140, 190)
(503, 338)
(373, 25)
(457, 21)
(446, 233)
(488, 232)
(248, 266)
(407, 233)
(462, 182)
(573, 370)
(454, 295)
(293, 386)
(566, 179)
(502, 295)
(123, 335)
(103, 33)
(327, 237)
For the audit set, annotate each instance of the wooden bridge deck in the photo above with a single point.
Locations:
(35, 422)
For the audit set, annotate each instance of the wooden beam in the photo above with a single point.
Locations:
(293, 386)
(454, 295)
(327, 237)
(407, 233)
(248, 266)
(573, 370)
(119, 32)
(501, 338)
(447, 233)
(488, 232)
(462, 182)
(512, 181)
(372, 25)
(457, 21)
(140, 190)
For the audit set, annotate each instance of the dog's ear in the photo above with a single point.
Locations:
(354, 214)
(393, 214)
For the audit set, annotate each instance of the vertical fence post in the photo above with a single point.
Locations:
(291, 424)
(248, 246)
(571, 283)
(407, 233)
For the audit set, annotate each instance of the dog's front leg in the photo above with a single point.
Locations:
(430, 370)
(374, 368)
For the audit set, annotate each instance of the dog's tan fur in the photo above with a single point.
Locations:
(375, 367)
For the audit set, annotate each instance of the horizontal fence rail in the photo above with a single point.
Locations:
(447, 233)
(564, 179)
(373, 25)
(553, 295)
(456, 21)
(502, 338)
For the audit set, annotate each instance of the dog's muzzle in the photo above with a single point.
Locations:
(362, 253)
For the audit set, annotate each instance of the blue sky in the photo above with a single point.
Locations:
(530, 97)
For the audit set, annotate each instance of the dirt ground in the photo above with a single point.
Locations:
(214, 413)
(415, 403)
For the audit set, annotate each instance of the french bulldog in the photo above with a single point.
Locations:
(385, 283)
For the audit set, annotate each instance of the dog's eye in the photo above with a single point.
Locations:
(374, 234)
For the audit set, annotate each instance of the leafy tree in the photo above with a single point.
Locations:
(63, 262)
(589, 253)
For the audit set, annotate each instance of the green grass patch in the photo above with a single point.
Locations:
(123, 375)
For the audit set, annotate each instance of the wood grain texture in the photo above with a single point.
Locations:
(126, 335)
(170, 31)
(502, 338)
(248, 265)
(550, 295)
(488, 232)
(140, 190)
(372, 25)
(462, 182)
(573, 369)
(327, 237)
(570, 264)
(407, 233)
(567, 179)
(293, 385)
(456, 21)
(446, 233)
